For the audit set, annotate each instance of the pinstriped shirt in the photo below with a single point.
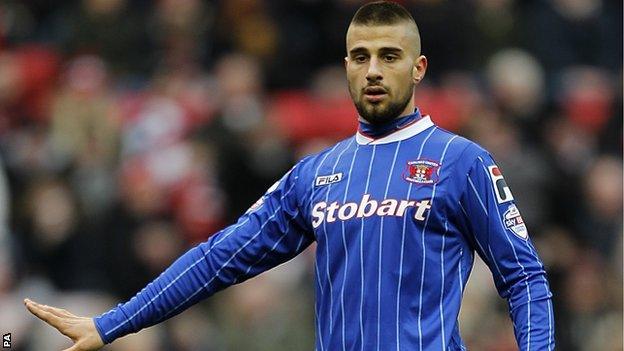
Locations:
(397, 221)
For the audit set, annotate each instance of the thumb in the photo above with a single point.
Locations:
(73, 348)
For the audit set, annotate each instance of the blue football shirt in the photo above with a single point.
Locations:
(397, 220)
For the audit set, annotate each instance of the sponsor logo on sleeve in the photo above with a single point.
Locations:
(503, 193)
(328, 179)
(513, 221)
(422, 171)
(6, 341)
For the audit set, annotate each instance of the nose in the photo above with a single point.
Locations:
(374, 70)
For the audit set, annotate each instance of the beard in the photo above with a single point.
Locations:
(378, 114)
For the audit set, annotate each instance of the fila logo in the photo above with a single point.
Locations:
(367, 207)
(328, 179)
(503, 193)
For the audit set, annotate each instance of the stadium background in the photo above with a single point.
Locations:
(131, 129)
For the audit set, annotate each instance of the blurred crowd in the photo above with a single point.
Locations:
(131, 130)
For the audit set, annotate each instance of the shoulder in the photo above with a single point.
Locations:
(311, 163)
(300, 178)
(460, 151)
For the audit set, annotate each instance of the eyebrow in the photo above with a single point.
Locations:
(361, 49)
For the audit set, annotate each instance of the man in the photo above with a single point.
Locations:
(397, 212)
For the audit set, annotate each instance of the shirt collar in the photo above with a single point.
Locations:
(403, 133)
(378, 131)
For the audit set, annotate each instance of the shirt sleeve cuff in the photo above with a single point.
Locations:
(99, 329)
(112, 325)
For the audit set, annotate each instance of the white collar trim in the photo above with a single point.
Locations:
(402, 134)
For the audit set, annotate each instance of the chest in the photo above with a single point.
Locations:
(385, 183)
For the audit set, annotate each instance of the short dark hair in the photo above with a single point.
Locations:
(381, 13)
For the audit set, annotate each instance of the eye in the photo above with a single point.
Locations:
(390, 58)
(360, 58)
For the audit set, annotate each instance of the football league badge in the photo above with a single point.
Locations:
(422, 171)
(514, 222)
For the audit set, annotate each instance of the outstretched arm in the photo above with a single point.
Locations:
(81, 330)
(271, 232)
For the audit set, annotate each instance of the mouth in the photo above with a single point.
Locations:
(375, 94)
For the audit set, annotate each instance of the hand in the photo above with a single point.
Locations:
(80, 329)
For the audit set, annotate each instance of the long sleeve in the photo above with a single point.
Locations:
(269, 233)
(500, 237)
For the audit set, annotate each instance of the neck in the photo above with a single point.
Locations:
(380, 130)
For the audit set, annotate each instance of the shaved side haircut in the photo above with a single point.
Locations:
(380, 13)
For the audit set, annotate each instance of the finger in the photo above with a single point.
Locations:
(44, 315)
(39, 312)
(56, 311)
(73, 348)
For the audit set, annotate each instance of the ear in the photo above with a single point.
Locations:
(420, 68)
